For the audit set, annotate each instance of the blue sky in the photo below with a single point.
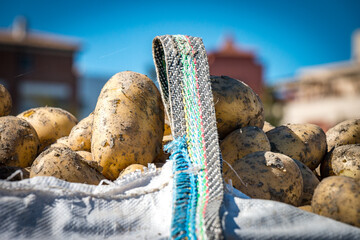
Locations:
(117, 35)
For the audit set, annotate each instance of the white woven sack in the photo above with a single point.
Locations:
(139, 207)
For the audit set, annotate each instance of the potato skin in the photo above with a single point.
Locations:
(65, 164)
(236, 105)
(19, 142)
(167, 128)
(132, 168)
(61, 142)
(307, 208)
(346, 132)
(303, 142)
(268, 175)
(50, 123)
(87, 157)
(337, 197)
(342, 161)
(80, 136)
(243, 141)
(267, 126)
(128, 123)
(310, 182)
(5, 101)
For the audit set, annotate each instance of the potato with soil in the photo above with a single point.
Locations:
(267, 175)
(19, 142)
(50, 123)
(5, 101)
(87, 157)
(337, 197)
(61, 142)
(303, 142)
(346, 132)
(267, 126)
(236, 105)
(128, 123)
(310, 182)
(132, 168)
(65, 164)
(80, 136)
(342, 161)
(243, 141)
(307, 208)
(167, 128)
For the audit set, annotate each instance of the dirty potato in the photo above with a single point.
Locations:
(19, 142)
(310, 182)
(342, 161)
(61, 142)
(307, 208)
(65, 164)
(303, 142)
(80, 135)
(128, 123)
(267, 175)
(337, 197)
(5, 101)
(167, 128)
(236, 105)
(50, 123)
(346, 132)
(267, 126)
(243, 141)
(87, 157)
(132, 168)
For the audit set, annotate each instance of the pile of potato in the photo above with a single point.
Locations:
(297, 164)
(125, 128)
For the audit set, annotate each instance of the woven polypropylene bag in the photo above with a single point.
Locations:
(139, 207)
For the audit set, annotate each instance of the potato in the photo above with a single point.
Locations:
(19, 142)
(310, 182)
(267, 175)
(167, 139)
(132, 168)
(243, 141)
(303, 142)
(5, 101)
(50, 123)
(236, 105)
(65, 164)
(317, 171)
(80, 135)
(307, 208)
(167, 128)
(61, 142)
(267, 126)
(87, 157)
(342, 161)
(337, 197)
(128, 123)
(346, 132)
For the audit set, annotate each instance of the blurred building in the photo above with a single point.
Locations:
(37, 68)
(231, 61)
(325, 94)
